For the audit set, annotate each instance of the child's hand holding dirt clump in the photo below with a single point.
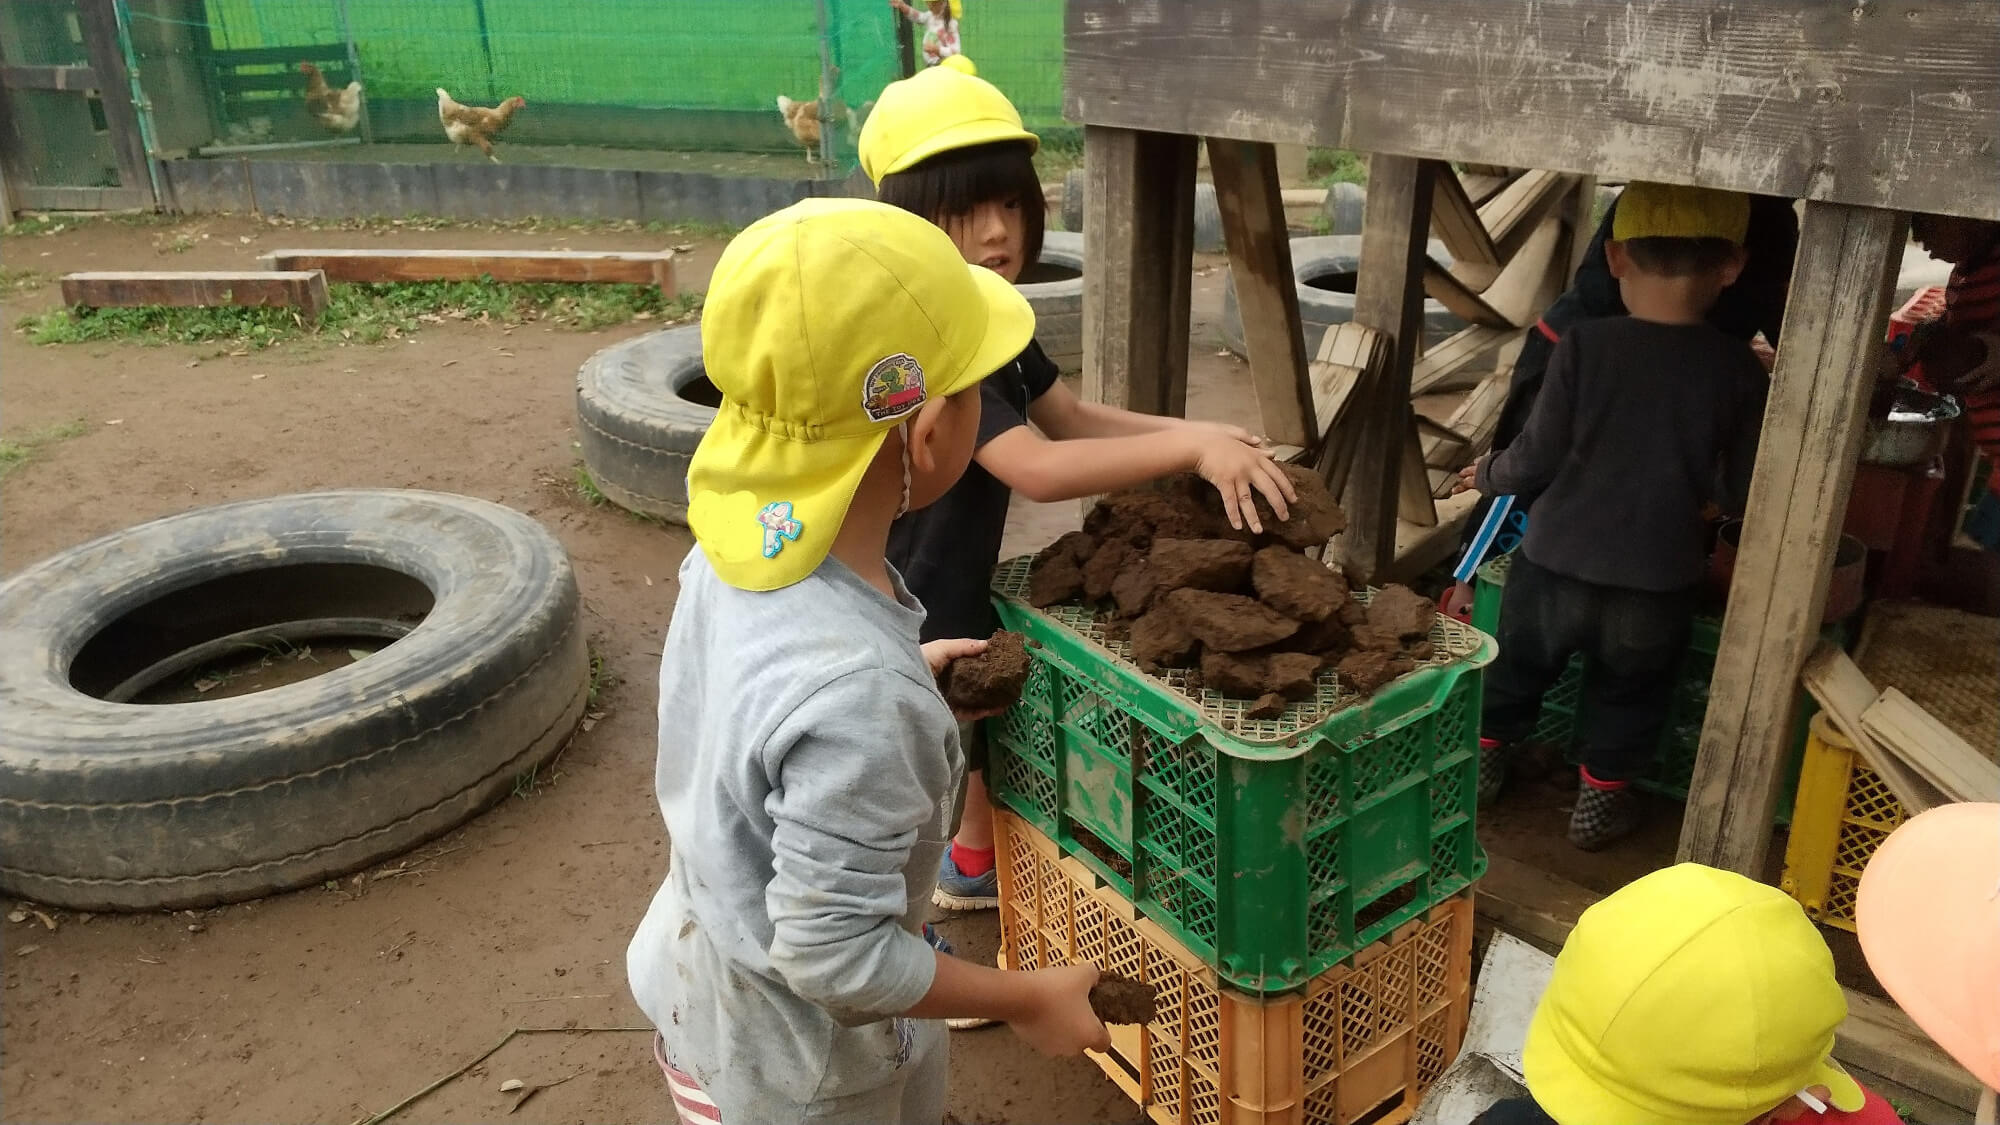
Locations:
(986, 680)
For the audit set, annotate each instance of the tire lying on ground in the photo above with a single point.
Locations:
(642, 406)
(1054, 289)
(114, 805)
(1326, 267)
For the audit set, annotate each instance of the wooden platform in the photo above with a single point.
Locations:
(641, 267)
(302, 289)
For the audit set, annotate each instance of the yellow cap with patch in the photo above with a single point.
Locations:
(1693, 996)
(941, 109)
(1650, 210)
(826, 325)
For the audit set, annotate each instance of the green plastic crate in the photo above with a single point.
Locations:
(1673, 769)
(1272, 849)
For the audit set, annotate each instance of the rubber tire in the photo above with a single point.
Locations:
(1058, 305)
(635, 429)
(1319, 308)
(1208, 237)
(107, 806)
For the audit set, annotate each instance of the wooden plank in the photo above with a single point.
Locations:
(1889, 103)
(1138, 232)
(1419, 549)
(630, 267)
(1413, 482)
(304, 290)
(1843, 690)
(1347, 354)
(102, 39)
(1483, 186)
(1267, 292)
(18, 77)
(1455, 219)
(1513, 214)
(1934, 750)
(1454, 365)
(1876, 1036)
(1834, 326)
(1388, 297)
(1511, 301)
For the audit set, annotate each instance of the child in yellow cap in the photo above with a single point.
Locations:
(1691, 997)
(951, 148)
(807, 763)
(939, 19)
(1640, 417)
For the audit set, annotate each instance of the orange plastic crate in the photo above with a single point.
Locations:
(1362, 1041)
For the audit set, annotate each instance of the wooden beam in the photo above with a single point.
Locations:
(1513, 215)
(1138, 233)
(1388, 297)
(635, 267)
(1418, 548)
(1887, 103)
(1511, 301)
(304, 290)
(1454, 365)
(1267, 292)
(18, 77)
(1456, 220)
(1834, 326)
(1413, 482)
(1481, 186)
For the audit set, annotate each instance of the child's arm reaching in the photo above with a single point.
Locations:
(1050, 1008)
(1060, 414)
(1045, 471)
(902, 8)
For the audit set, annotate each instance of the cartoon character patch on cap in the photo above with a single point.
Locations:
(779, 526)
(894, 388)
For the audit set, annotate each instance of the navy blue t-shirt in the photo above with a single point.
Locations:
(946, 552)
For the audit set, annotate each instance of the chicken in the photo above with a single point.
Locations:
(339, 111)
(802, 118)
(473, 125)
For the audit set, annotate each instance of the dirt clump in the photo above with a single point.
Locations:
(1267, 707)
(1402, 611)
(1054, 580)
(1159, 640)
(1365, 670)
(1122, 1000)
(1138, 516)
(1315, 516)
(1374, 638)
(1222, 565)
(1328, 638)
(1233, 673)
(1293, 675)
(1134, 590)
(1229, 622)
(1076, 545)
(1104, 567)
(991, 681)
(1297, 586)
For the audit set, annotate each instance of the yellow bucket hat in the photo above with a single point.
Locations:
(960, 64)
(938, 110)
(826, 325)
(1650, 210)
(1691, 997)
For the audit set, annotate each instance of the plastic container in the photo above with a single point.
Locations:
(1844, 812)
(1363, 1041)
(1273, 849)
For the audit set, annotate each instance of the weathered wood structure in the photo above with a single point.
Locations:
(630, 267)
(1865, 109)
(304, 290)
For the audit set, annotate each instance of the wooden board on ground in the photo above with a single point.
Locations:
(629, 267)
(1934, 750)
(1843, 690)
(304, 290)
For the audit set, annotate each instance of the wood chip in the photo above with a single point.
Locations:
(511, 1085)
(25, 950)
(18, 916)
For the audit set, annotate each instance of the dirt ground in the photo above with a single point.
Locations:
(331, 1005)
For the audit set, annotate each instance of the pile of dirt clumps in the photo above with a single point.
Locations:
(1121, 1000)
(1248, 614)
(991, 681)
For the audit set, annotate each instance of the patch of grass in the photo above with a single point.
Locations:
(1329, 166)
(601, 678)
(1060, 151)
(369, 314)
(586, 487)
(14, 281)
(18, 450)
(41, 222)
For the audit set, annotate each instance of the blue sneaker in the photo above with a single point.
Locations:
(959, 891)
(957, 1023)
(937, 941)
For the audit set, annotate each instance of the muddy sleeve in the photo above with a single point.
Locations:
(1530, 462)
(856, 778)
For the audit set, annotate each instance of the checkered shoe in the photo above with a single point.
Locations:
(1493, 756)
(1602, 816)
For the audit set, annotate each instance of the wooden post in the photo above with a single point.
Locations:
(1138, 236)
(1260, 257)
(1813, 427)
(98, 20)
(1388, 297)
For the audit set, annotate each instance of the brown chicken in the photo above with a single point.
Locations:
(474, 125)
(802, 118)
(337, 110)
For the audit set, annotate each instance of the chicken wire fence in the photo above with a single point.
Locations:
(666, 84)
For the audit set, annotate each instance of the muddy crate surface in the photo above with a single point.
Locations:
(1271, 849)
(1360, 1042)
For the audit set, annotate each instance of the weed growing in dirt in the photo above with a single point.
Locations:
(45, 223)
(1060, 151)
(601, 678)
(586, 489)
(369, 314)
(21, 281)
(1331, 166)
(18, 450)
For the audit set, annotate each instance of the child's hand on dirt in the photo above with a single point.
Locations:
(1059, 1019)
(1468, 479)
(939, 653)
(1235, 469)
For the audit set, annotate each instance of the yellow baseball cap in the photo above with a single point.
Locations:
(960, 64)
(939, 110)
(826, 325)
(1691, 997)
(1650, 210)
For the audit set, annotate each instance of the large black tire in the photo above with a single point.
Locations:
(1208, 237)
(642, 406)
(1318, 258)
(121, 806)
(1058, 302)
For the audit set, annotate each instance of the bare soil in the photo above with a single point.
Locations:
(333, 1003)
(991, 681)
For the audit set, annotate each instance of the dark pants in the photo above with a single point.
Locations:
(1631, 641)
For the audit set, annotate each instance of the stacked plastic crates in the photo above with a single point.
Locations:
(1295, 886)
